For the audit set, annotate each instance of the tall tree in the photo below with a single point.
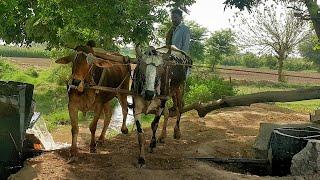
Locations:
(220, 44)
(271, 29)
(69, 22)
(198, 38)
(309, 51)
(312, 6)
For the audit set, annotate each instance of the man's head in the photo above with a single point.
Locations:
(176, 16)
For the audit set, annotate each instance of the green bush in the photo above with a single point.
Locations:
(231, 61)
(270, 62)
(59, 74)
(6, 67)
(32, 72)
(297, 64)
(252, 61)
(205, 88)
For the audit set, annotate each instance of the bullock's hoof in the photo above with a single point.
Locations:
(93, 150)
(72, 159)
(124, 130)
(153, 143)
(73, 152)
(161, 139)
(100, 140)
(141, 162)
(177, 133)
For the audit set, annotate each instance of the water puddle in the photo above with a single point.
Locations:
(117, 116)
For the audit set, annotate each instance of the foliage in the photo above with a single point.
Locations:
(271, 31)
(252, 61)
(308, 50)
(297, 64)
(232, 60)
(71, 22)
(204, 87)
(219, 44)
(310, 13)
(270, 61)
(197, 41)
(13, 51)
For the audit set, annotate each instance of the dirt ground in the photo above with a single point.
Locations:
(250, 76)
(31, 62)
(225, 133)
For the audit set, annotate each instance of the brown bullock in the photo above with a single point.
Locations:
(87, 70)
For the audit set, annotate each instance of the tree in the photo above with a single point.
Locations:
(307, 50)
(197, 44)
(70, 22)
(312, 13)
(269, 30)
(220, 44)
(197, 39)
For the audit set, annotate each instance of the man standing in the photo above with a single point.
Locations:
(179, 33)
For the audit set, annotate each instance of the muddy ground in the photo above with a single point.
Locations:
(225, 133)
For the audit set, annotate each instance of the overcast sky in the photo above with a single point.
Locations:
(210, 14)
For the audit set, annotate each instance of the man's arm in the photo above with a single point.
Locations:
(186, 40)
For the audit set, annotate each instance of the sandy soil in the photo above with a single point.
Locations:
(225, 133)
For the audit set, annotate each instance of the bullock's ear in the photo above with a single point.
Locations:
(65, 60)
(102, 63)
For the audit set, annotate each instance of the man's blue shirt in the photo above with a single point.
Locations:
(181, 37)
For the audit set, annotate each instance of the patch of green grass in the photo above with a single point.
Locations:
(14, 51)
(51, 98)
(242, 90)
(307, 106)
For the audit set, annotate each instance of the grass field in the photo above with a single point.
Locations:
(307, 106)
(13, 51)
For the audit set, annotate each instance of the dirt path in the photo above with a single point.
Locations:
(31, 62)
(249, 76)
(224, 133)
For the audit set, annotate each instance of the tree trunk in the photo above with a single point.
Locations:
(212, 67)
(280, 69)
(245, 100)
(313, 9)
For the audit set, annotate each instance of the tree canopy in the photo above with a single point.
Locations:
(220, 43)
(312, 14)
(70, 22)
(271, 29)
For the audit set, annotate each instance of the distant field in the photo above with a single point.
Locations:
(33, 52)
(248, 76)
